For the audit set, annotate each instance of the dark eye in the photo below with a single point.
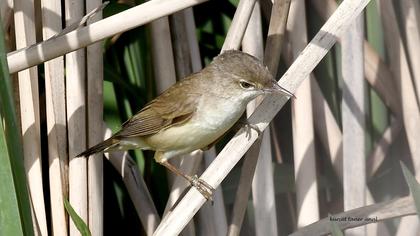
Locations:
(246, 85)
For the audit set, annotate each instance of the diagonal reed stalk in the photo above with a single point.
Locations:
(95, 32)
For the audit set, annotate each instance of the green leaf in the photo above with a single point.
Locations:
(78, 222)
(15, 213)
(335, 229)
(413, 185)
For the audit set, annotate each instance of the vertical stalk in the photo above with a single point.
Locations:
(76, 119)
(302, 124)
(56, 120)
(29, 107)
(353, 113)
(94, 62)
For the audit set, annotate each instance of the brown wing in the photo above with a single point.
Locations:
(161, 113)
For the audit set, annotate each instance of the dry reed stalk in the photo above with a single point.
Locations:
(238, 145)
(380, 78)
(162, 56)
(219, 214)
(382, 146)
(252, 43)
(188, 164)
(238, 26)
(243, 190)
(379, 228)
(24, 17)
(263, 195)
(302, 124)
(136, 187)
(411, 23)
(327, 129)
(84, 36)
(180, 45)
(76, 119)
(56, 120)
(330, 136)
(383, 211)
(410, 109)
(163, 61)
(276, 32)
(94, 62)
(353, 113)
(204, 220)
(377, 72)
(274, 43)
(190, 29)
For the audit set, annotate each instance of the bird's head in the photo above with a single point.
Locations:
(244, 76)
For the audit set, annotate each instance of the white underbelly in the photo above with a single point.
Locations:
(202, 130)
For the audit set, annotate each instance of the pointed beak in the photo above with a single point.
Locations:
(276, 88)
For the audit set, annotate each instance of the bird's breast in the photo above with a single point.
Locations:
(219, 114)
(211, 120)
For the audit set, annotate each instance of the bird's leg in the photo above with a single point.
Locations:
(248, 126)
(204, 188)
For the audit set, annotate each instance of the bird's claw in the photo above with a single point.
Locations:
(204, 188)
(248, 128)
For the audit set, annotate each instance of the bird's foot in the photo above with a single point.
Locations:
(204, 188)
(248, 127)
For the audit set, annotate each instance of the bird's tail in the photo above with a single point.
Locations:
(100, 147)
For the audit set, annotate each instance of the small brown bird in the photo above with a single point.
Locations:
(195, 112)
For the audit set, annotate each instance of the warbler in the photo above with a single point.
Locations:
(195, 112)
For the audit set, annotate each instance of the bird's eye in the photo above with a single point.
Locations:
(246, 85)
